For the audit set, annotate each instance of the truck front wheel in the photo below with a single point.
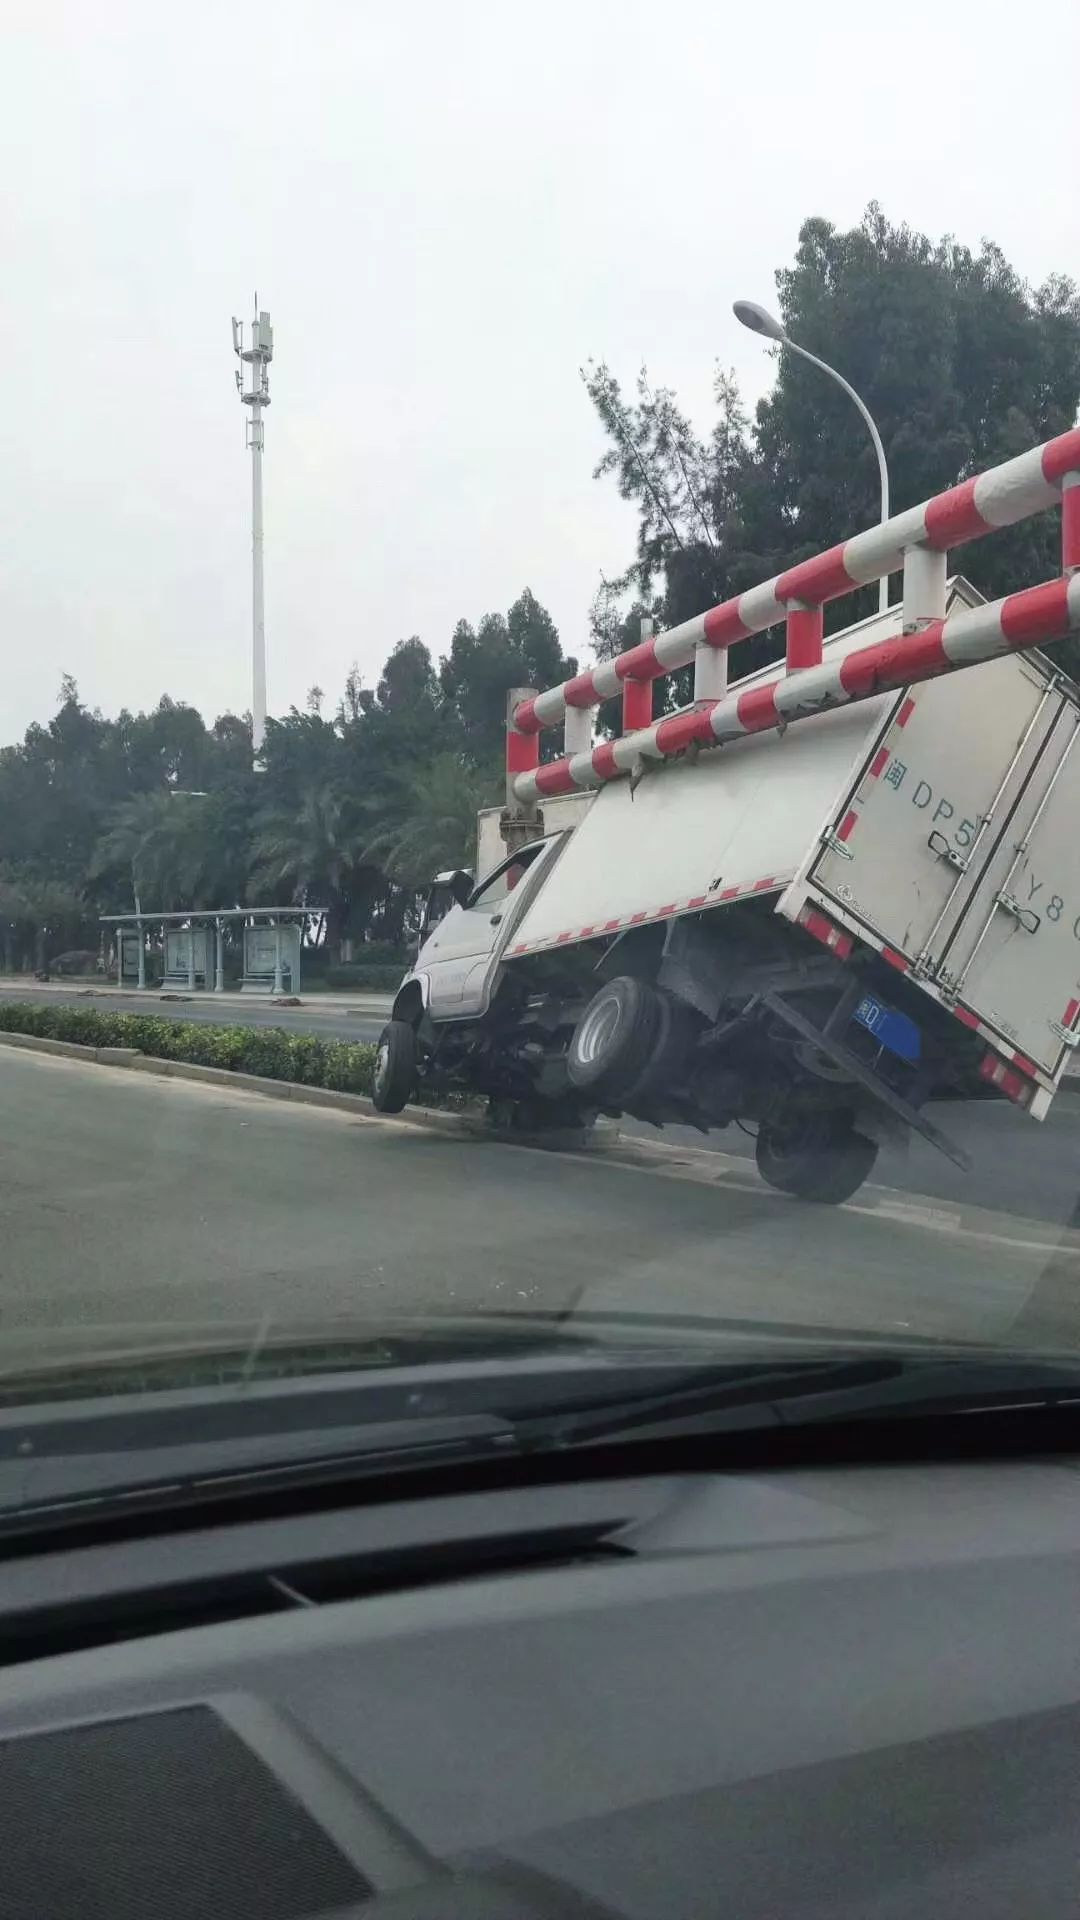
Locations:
(395, 1067)
(815, 1155)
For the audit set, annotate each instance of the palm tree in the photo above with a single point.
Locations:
(166, 845)
(438, 826)
(54, 909)
(36, 906)
(315, 852)
(14, 913)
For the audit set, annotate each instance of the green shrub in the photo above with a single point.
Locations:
(376, 977)
(381, 953)
(267, 1051)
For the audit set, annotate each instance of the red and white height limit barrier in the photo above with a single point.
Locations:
(916, 541)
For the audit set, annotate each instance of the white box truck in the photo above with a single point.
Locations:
(826, 933)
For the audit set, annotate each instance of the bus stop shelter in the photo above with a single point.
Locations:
(193, 946)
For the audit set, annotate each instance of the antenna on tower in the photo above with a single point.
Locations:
(256, 395)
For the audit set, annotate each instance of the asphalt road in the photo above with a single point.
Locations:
(1020, 1166)
(132, 1201)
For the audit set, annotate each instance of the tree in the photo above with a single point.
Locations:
(534, 637)
(408, 681)
(475, 676)
(519, 649)
(56, 913)
(961, 365)
(437, 829)
(36, 915)
(163, 852)
(317, 853)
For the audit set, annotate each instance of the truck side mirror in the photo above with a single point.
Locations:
(461, 885)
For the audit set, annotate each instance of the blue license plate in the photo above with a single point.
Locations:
(889, 1028)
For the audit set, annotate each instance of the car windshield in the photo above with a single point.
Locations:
(446, 446)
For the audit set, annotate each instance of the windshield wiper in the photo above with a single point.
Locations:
(814, 1393)
(503, 1417)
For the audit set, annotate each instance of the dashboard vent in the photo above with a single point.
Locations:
(168, 1814)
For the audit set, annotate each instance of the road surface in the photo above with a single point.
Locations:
(1019, 1166)
(132, 1201)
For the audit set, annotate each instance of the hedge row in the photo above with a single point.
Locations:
(269, 1051)
(356, 975)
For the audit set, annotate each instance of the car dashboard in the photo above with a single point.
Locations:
(833, 1691)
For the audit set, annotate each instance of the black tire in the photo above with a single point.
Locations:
(614, 1038)
(815, 1156)
(667, 1056)
(395, 1067)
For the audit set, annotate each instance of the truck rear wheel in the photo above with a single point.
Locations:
(395, 1067)
(815, 1156)
(614, 1038)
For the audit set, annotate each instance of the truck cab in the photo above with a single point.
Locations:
(462, 945)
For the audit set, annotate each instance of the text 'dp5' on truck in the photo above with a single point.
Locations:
(826, 932)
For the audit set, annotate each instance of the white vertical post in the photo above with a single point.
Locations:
(219, 957)
(257, 396)
(142, 955)
(710, 673)
(258, 618)
(191, 957)
(277, 957)
(1070, 523)
(925, 576)
(577, 730)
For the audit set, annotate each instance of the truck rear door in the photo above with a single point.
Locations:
(904, 849)
(1014, 960)
(951, 849)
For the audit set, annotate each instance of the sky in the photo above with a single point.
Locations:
(446, 209)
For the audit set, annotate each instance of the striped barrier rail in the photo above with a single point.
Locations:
(916, 541)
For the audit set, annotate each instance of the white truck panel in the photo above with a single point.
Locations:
(747, 807)
(694, 833)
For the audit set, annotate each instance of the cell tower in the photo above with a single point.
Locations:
(256, 395)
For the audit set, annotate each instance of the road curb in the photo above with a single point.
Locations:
(105, 1056)
(474, 1126)
(356, 1103)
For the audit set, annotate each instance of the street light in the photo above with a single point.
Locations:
(760, 320)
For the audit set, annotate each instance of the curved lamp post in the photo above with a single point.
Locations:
(760, 320)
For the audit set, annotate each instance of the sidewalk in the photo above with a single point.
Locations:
(369, 1003)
